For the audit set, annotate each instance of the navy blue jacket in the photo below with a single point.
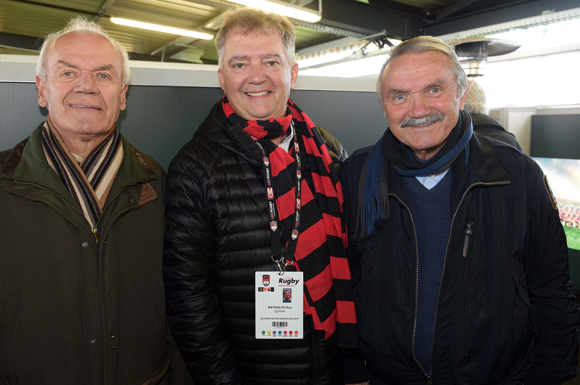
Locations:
(505, 312)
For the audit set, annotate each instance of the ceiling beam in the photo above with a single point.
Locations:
(102, 10)
(497, 15)
(68, 9)
(26, 43)
(448, 11)
(369, 19)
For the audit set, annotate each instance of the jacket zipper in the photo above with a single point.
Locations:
(429, 376)
(94, 231)
(468, 234)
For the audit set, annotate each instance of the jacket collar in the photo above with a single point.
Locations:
(27, 162)
(232, 137)
(483, 167)
(486, 161)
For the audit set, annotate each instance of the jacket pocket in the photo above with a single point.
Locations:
(516, 270)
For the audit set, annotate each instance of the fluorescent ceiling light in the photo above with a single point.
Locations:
(283, 8)
(161, 28)
(542, 36)
(349, 68)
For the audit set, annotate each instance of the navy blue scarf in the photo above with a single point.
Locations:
(405, 163)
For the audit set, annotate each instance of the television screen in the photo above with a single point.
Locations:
(564, 179)
(555, 136)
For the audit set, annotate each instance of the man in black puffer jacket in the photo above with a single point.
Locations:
(253, 206)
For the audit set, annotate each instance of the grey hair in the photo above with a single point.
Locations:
(422, 44)
(80, 24)
(475, 103)
(251, 19)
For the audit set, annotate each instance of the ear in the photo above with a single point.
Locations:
(293, 75)
(221, 78)
(464, 97)
(41, 86)
(123, 104)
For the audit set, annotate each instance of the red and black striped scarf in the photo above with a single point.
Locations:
(320, 250)
(89, 182)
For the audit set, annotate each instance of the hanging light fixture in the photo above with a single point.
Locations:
(161, 28)
(474, 51)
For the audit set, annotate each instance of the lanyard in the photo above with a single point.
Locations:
(274, 219)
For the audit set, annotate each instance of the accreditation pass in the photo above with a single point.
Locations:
(279, 305)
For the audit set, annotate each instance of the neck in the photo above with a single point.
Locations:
(81, 147)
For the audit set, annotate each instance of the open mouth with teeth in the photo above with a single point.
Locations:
(84, 107)
(255, 94)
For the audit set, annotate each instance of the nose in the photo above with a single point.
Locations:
(256, 74)
(419, 105)
(86, 83)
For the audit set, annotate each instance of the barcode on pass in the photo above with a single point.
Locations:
(279, 324)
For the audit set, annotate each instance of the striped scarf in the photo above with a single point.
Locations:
(89, 182)
(320, 249)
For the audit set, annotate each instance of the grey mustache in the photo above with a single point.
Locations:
(425, 120)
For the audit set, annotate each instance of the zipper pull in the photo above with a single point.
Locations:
(468, 233)
(429, 379)
(96, 235)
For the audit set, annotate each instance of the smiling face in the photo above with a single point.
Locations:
(83, 90)
(421, 100)
(257, 76)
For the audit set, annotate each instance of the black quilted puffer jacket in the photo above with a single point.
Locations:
(217, 236)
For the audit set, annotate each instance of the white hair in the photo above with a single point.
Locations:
(80, 24)
(475, 103)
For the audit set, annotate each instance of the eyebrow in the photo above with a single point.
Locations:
(242, 58)
(105, 67)
(272, 55)
(237, 58)
(438, 83)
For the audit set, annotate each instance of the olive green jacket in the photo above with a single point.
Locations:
(74, 310)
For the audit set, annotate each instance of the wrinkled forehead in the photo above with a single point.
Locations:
(418, 69)
(86, 46)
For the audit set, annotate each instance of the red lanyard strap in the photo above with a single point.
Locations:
(274, 218)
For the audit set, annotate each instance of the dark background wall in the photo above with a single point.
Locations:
(158, 120)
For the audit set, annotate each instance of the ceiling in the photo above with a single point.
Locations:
(23, 23)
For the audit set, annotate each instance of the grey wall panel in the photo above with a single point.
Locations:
(20, 113)
(355, 118)
(159, 120)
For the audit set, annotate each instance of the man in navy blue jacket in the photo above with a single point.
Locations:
(459, 260)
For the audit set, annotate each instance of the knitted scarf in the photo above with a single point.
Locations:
(320, 248)
(89, 182)
(373, 206)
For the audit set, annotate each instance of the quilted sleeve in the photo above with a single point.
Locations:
(189, 262)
